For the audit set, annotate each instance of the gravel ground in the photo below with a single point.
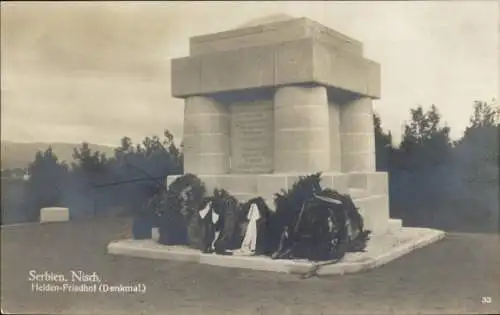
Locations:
(451, 276)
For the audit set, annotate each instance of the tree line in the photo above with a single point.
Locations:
(433, 180)
(437, 182)
(96, 184)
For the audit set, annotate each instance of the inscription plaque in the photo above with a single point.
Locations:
(252, 137)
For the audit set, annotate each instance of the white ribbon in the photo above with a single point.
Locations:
(203, 213)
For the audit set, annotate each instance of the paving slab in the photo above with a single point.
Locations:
(381, 249)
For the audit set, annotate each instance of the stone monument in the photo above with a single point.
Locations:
(277, 99)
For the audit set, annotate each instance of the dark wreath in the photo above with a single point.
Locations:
(318, 224)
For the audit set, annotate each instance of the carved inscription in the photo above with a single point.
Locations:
(252, 137)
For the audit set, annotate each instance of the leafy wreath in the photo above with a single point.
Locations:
(187, 194)
(184, 195)
(348, 232)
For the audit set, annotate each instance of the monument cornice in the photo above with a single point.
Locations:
(307, 60)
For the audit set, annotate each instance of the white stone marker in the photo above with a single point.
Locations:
(54, 214)
(155, 234)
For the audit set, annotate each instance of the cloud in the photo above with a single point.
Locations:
(69, 38)
(99, 108)
(104, 68)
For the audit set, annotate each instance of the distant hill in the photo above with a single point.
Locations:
(19, 155)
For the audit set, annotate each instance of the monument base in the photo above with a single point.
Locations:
(369, 191)
(381, 249)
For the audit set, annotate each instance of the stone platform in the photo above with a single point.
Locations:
(381, 249)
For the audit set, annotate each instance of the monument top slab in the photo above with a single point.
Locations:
(280, 17)
(271, 30)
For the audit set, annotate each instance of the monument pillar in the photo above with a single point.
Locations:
(206, 136)
(357, 136)
(301, 129)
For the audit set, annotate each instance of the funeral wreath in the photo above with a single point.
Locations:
(308, 221)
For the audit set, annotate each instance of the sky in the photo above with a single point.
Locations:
(85, 71)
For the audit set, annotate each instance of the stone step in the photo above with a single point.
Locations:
(380, 250)
(357, 193)
(375, 212)
(376, 183)
(395, 225)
